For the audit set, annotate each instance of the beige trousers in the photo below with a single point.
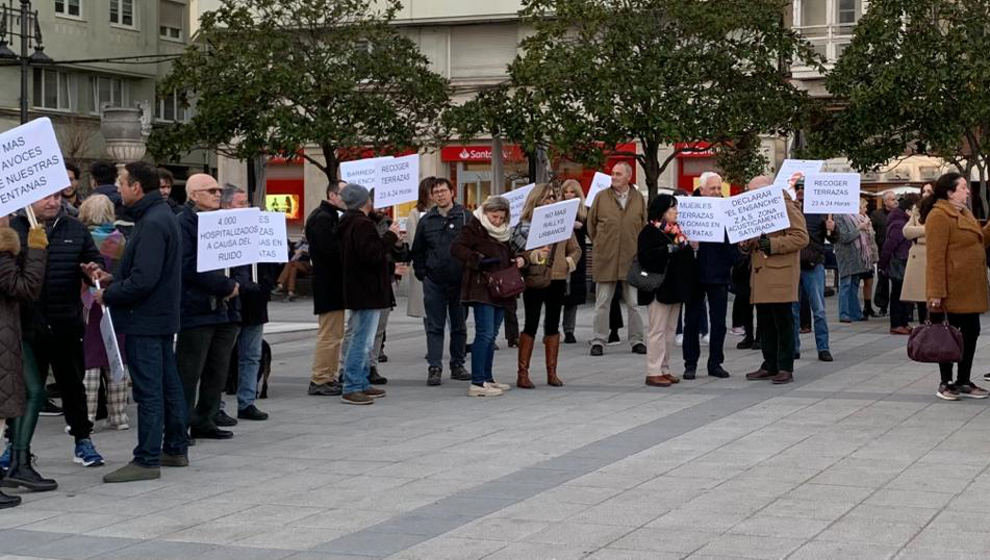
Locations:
(326, 354)
(663, 326)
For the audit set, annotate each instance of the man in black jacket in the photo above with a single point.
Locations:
(144, 303)
(812, 288)
(440, 274)
(328, 291)
(207, 333)
(54, 324)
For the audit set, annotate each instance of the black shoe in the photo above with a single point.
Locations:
(434, 376)
(52, 391)
(797, 355)
(210, 433)
(512, 342)
(374, 378)
(639, 348)
(569, 338)
(689, 374)
(9, 501)
(331, 389)
(224, 420)
(597, 350)
(745, 344)
(22, 474)
(458, 373)
(613, 337)
(825, 356)
(382, 358)
(756, 345)
(50, 409)
(252, 413)
(718, 372)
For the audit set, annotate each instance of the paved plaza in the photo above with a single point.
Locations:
(856, 459)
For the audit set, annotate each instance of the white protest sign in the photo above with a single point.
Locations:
(110, 345)
(552, 223)
(363, 172)
(599, 183)
(831, 193)
(398, 181)
(31, 165)
(792, 166)
(227, 238)
(756, 212)
(517, 199)
(702, 218)
(273, 241)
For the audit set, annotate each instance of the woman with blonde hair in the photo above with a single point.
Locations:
(577, 284)
(97, 214)
(546, 272)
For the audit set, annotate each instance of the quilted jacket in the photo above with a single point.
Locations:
(20, 280)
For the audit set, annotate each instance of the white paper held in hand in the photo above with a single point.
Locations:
(31, 165)
(599, 183)
(227, 238)
(552, 223)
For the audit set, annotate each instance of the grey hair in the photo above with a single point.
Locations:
(496, 204)
(625, 164)
(708, 175)
(227, 195)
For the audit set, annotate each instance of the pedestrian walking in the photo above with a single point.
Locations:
(328, 291)
(576, 294)
(893, 263)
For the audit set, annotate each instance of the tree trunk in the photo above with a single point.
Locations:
(981, 166)
(650, 160)
(532, 159)
(330, 156)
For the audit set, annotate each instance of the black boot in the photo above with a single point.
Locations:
(868, 309)
(22, 474)
(8, 501)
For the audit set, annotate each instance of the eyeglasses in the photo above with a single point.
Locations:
(212, 192)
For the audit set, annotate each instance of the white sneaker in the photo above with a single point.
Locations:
(497, 385)
(484, 391)
(738, 331)
(679, 340)
(706, 339)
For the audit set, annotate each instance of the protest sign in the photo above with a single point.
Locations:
(831, 193)
(701, 218)
(31, 165)
(273, 241)
(398, 181)
(756, 212)
(363, 172)
(552, 223)
(599, 183)
(227, 238)
(792, 166)
(110, 344)
(517, 199)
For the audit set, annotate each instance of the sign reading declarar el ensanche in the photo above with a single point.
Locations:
(31, 165)
(753, 213)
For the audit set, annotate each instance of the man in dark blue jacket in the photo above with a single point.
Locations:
(714, 261)
(103, 180)
(440, 274)
(207, 333)
(144, 304)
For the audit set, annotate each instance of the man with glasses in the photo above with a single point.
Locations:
(328, 291)
(207, 335)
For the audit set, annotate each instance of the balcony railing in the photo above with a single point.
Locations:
(828, 40)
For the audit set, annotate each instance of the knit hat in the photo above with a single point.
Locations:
(354, 196)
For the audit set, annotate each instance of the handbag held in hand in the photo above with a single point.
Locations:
(933, 343)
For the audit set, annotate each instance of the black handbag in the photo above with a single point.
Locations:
(642, 279)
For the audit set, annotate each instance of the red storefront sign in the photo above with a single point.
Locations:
(479, 154)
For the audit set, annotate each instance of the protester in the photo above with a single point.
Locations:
(663, 249)
(482, 248)
(71, 197)
(545, 273)
(893, 262)
(577, 289)
(56, 331)
(144, 300)
(398, 253)
(298, 264)
(854, 245)
(165, 183)
(776, 275)
(208, 333)
(440, 273)
(367, 288)
(617, 215)
(879, 219)
(22, 388)
(812, 285)
(956, 276)
(415, 301)
(103, 180)
(97, 214)
(743, 308)
(714, 273)
(328, 291)
(913, 289)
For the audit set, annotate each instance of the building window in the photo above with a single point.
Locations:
(827, 24)
(171, 108)
(68, 7)
(122, 12)
(52, 90)
(108, 91)
(170, 18)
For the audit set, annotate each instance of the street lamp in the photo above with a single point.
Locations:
(27, 18)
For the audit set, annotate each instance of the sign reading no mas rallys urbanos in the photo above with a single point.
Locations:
(552, 223)
(753, 213)
(31, 165)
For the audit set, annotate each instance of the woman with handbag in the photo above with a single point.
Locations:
(893, 262)
(662, 249)
(956, 279)
(545, 274)
(491, 279)
(913, 289)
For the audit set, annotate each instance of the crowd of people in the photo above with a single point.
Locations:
(128, 247)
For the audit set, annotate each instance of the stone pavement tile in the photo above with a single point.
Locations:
(538, 551)
(498, 528)
(269, 515)
(774, 526)
(145, 527)
(202, 511)
(907, 515)
(370, 543)
(581, 495)
(960, 541)
(19, 540)
(214, 532)
(808, 509)
(621, 554)
(969, 501)
(910, 498)
(858, 472)
(873, 531)
(76, 522)
(916, 553)
(16, 517)
(611, 513)
(243, 553)
(289, 538)
(683, 541)
(961, 521)
(78, 547)
(748, 546)
(348, 520)
(829, 493)
(694, 518)
(583, 535)
(160, 550)
(450, 548)
(832, 550)
(323, 556)
(539, 509)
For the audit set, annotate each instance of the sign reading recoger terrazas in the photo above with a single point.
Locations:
(831, 193)
(398, 181)
(753, 213)
(31, 165)
(552, 223)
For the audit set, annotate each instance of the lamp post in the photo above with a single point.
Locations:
(27, 18)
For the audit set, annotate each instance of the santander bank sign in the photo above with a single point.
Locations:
(472, 154)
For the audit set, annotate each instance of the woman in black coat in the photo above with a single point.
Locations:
(577, 284)
(663, 248)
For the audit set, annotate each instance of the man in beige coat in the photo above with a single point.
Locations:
(617, 216)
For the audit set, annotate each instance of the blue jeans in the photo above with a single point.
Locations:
(487, 320)
(248, 364)
(813, 289)
(159, 395)
(849, 308)
(356, 361)
(443, 302)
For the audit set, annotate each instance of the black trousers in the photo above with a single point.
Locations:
(881, 291)
(535, 299)
(202, 355)
(61, 347)
(969, 324)
(776, 336)
(511, 320)
(900, 312)
(694, 319)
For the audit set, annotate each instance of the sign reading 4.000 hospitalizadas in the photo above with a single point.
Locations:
(31, 165)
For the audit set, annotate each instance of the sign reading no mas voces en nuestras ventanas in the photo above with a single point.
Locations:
(31, 165)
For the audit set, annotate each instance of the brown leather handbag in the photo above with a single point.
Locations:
(934, 343)
(506, 283)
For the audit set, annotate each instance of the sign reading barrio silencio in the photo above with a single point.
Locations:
(31, 165)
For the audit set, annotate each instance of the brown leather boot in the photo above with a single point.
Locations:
(759, 375)
(526, 343)
(782, 378)
(552, 346)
